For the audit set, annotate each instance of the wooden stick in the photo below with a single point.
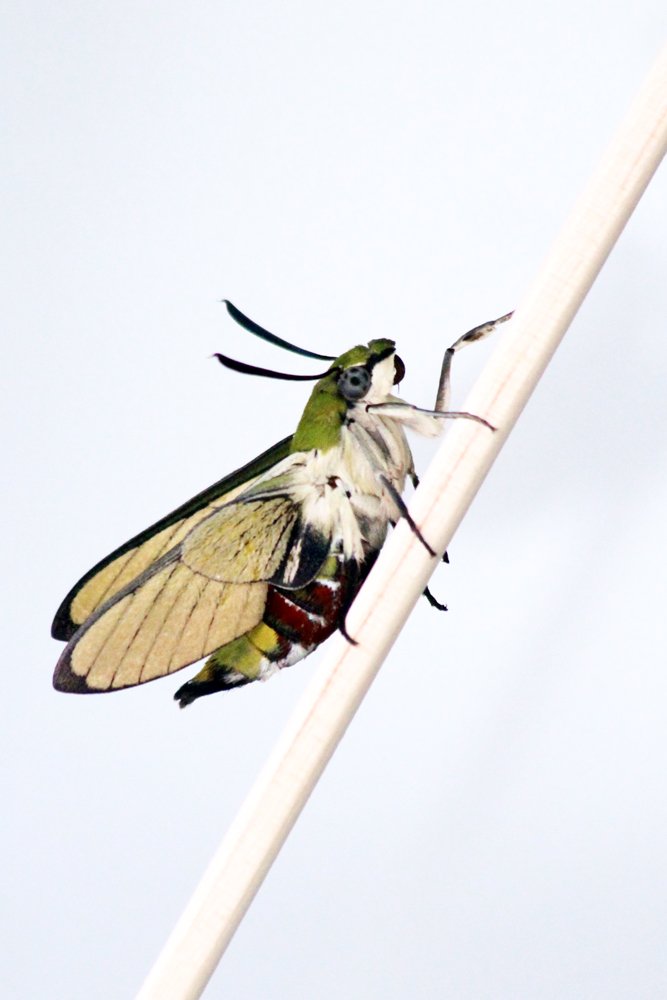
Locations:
(273, 805)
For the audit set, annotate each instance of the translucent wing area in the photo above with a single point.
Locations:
(165, 620)
(126, 563)
(253, 540)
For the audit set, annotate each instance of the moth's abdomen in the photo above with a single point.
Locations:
(294, 623)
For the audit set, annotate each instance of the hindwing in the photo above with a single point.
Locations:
(166, 619)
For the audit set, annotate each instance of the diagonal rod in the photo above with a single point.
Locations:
(218, 904)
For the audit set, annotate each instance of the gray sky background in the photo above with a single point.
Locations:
(494, 824)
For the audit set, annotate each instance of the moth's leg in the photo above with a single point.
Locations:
(477, 333)
(414, 479)
(358, 574)
(432, 600)
(404, 512)
(346, 635)
(398, 410)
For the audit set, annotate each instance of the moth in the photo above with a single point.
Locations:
(259, 569)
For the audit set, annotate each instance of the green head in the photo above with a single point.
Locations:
(362, 373)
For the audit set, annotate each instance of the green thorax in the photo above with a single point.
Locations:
(324, 415)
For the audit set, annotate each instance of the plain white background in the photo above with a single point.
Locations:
(494, 824)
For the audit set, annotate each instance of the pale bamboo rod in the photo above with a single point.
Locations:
(259, 830)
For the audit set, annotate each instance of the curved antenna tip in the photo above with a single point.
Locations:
(259, 331)
(246, 369)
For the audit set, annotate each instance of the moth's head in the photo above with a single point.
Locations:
(367, 373)
(364, 372)
(361, 375)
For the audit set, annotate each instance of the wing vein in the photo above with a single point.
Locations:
(139, 626)
(188, 619)
(167, 611)
(212, 619)
(132, 556)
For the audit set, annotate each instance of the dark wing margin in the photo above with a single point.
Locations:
(165, 619)
(64, 626)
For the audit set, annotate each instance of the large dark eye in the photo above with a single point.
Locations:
(399, 370)
(354, 383)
